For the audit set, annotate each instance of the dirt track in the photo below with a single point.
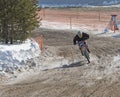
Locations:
(100, 78)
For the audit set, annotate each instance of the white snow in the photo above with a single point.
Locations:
(13, 56)
(116, 58)
(111, 2)
(62, 26)
(99, 32)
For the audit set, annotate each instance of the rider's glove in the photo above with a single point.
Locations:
(76, 42)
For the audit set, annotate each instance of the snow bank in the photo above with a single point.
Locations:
(65, 26)
(14, 56)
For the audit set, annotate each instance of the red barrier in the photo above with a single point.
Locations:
(41, 42)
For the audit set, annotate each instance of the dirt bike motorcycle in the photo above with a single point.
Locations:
(83, 47)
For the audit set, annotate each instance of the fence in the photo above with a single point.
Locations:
(76, 18)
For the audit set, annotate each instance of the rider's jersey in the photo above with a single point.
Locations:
(85, 36)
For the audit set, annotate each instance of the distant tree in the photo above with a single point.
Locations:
(17, 19)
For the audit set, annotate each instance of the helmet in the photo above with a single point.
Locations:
(79, 34)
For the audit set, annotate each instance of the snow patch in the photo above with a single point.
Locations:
(14, 56)
(116, 58)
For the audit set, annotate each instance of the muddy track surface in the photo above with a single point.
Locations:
(100, 78)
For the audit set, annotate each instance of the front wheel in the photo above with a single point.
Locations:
(86, 54)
